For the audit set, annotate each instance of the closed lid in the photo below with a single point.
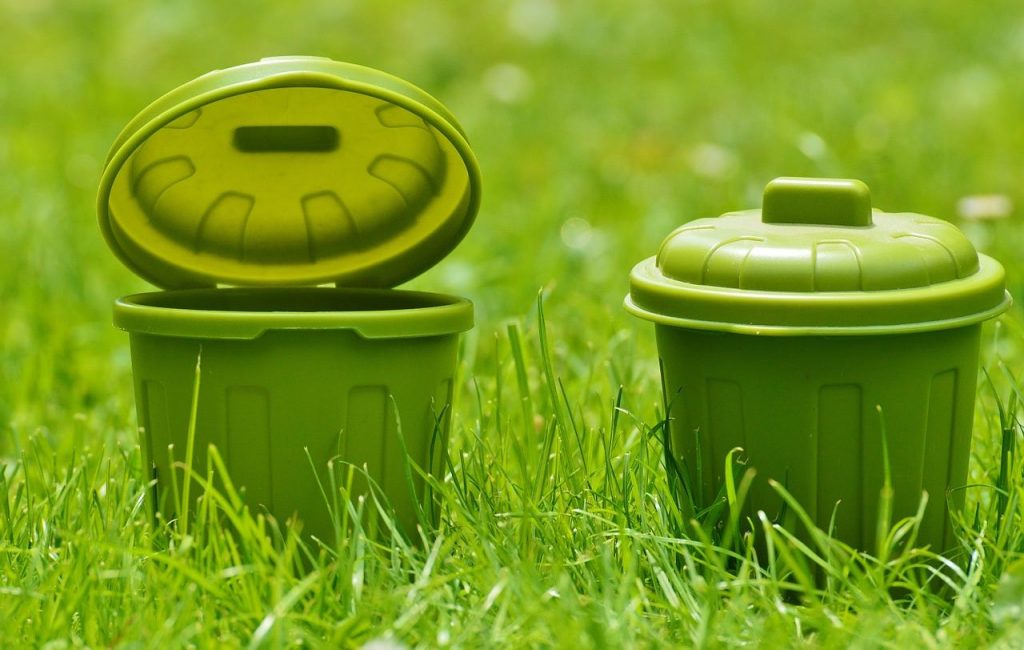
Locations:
(817, 258)
(289, 171)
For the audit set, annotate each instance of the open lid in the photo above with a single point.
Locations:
(290, 171)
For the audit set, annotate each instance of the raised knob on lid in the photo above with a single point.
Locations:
(817, 201)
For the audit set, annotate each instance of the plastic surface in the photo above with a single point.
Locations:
(293, 171)
(804, 411)
(795, 331)
(288, 171)
(298, 388)
(816, 259)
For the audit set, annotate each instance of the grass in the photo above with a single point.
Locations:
(580, 546)
(600, 126)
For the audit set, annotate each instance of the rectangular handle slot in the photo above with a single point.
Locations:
(288, 139)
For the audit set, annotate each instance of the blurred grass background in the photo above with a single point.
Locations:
(599, 125)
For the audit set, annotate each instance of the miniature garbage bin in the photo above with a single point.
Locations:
(242, 194)
(808, 332)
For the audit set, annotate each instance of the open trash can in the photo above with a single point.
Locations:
(795, 331)
(243, 193)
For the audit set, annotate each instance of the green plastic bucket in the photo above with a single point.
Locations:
(242, 194)
(818, 335)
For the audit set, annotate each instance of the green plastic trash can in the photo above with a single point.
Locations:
(244, 194)
(795, 331)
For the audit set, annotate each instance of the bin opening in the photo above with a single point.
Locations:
(292, 299)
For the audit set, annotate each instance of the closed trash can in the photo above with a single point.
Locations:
(242, 194)
(800, 331)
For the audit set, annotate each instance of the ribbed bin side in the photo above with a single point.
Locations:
(281, 407)
(809, 412)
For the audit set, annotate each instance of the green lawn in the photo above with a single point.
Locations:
(599, 126)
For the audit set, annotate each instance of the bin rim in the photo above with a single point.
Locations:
(415, 314)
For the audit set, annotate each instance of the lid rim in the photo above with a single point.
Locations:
(974, 298)
(751, 329)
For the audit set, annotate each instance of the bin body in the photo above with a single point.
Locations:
(290, 384)
(809, 413)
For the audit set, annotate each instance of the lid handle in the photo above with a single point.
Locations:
(817, 201)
